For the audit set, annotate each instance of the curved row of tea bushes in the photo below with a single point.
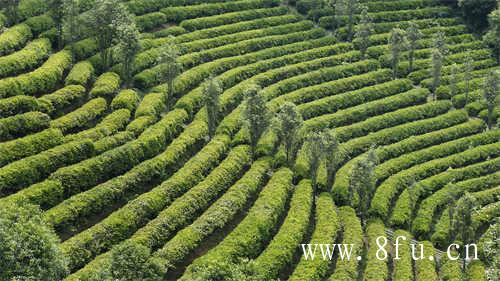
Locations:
(29, 57)
(14, 38)
(26, 171)
(388, 189)
(29, 145)
(403, 263)
(215, 217)
(114, 122)
(17, 105)
(180, 13)
(106, 86)
(81, 117)
(283, 248)
(376, 268)
(135, 214)
(451, 270)
(327, 227)
(255, 229)
(152, 105)
(398, 149)
(352, 234)
(425, 268)
(126, 99)
(23, 124)
(41, 80)
(140, 7)
(81, 74)
(58, 102)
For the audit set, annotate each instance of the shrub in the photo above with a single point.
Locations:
(128, 99)
(152, 105)
(32, 55)
(17, 105)
(32, 144)
(376, 269)
(403, 270)
(111, 124)
(140, 124)
(80, 74)
(80, 118)
(61, 100)
(14, 38)
(425, 269)
(43, 79)
(23, 124)
(106, 86)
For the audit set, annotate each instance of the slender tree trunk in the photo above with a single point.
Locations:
(412, 57)
(490, 116)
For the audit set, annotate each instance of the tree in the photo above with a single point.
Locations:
(451, 198)
(255, 115)
(476, 11)
(130, 262)
(362, 184)
(289, 122)
(492, 252)
(211, 90)
(332, 156)
(363, 31)
(492, 37)
(439, 42)
(70, 25)
(398, 44)
(103, 22)
(347, 8)
(29, 248)
(462, 220)
(56, 8)
(128, 46)
(454, 80)
(414, 34)
(314, 147)
(437, 66)
(469, 67)
(169, 56)
(412, 198)
(490, 93)
(10, 7)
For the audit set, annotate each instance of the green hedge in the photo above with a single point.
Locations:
(327, 227)
(81, 117)
(352, 234)
(403, 267)
(114, 122)
(17, 105)
(81, 74)
(23, 124)
(61, 100)
(376, 269)
(476, 271)
(106, 86)
(14, 38)
(253, 232)
(140, 124)
(282, 250)
(387, 191)
(128, 99)
(385, 153)
(341, 101)
(43, 79)
(140, 7)
(223, 210)
(152, 105)
(29, 57)
(136, 213)
(113, 141)
(425, 269)
(355, 147)
(32, 144)
(30, 8)
(84, 49)
(231, 18)
(451, 270)
(24, 172)
(178, 14)
(40, 24)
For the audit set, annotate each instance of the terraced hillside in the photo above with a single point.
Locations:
(113, 163)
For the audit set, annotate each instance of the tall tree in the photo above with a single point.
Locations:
(169, 57)
(128, 46)
(414, 34)
(490, 93)
(362, 184)
(469, 67)
(492, 37)
(439, 42)
(347, 8)
(462, 221)
(412, 198)
(289, 122)
(103, 21)
(332, 156)
(363, 31)
(256, 115)
(70, 25)
(454, 80)
(451, 199)
(437, 66)
(11, 7)
(315, 149)
(29, 248)
(211, 90)
(398, 43)
(56, 8)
